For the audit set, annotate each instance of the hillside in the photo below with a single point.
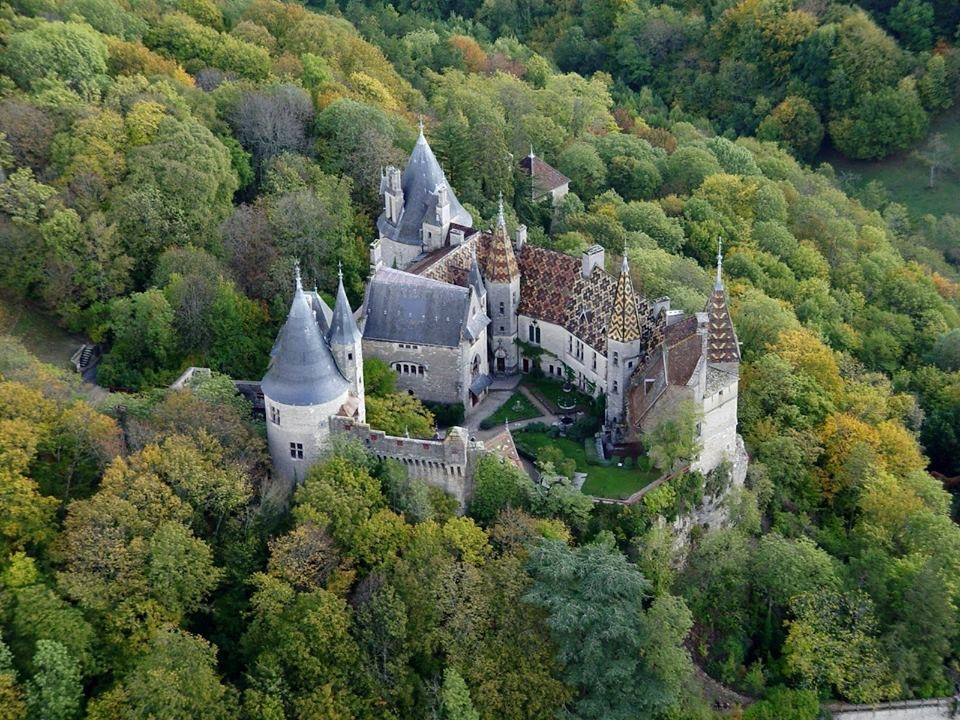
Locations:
(164, 166)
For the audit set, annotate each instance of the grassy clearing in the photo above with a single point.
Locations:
(38, 332)
(602, 480)
(907, 178)
(517, 407)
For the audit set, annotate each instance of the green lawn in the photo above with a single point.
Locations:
(517, 407)
(551, 393)
(38, 332)
(602, 481)
(907, 178)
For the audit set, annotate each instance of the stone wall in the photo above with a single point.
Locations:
(935, 709)
(441, 381)
(556, 341)
(447, 464)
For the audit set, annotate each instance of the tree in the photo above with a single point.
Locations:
(379, 378)
(177, 191)
(880, 123)
(12, 703)
(72, 52)
(498, 485)
(675, 438)
(937, 155)
(273, 121)
(54, 691)
(831, 644)
(781, 703)
(582, 164)
(455, 697)
(400, 414)
(624, 660)
(796, 124)
(174, 678)
(143, 341)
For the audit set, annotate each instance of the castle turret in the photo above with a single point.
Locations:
(503, 298)
(624, 336)
(303, 387)
(346, 345)
(419, 207)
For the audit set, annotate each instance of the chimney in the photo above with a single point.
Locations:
(520, 237)
(376, 256)
(456, 236)
(592, 257)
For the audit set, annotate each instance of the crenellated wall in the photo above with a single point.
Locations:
(447, 464)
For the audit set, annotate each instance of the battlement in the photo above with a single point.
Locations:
(447, 464)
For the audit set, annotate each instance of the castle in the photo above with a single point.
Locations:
(449, 307)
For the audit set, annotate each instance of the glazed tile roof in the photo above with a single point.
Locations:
(722, 345)
(500, 263)
(552, 289)
(625, 325)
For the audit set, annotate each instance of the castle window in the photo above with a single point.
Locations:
(503, 310)
(349, 356)
(594, 360)
(616, 358)
(274, 414)
(616, 386)
(569, 343)
(501, 328)
(296, 450)
(648, 385)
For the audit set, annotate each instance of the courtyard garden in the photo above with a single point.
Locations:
(603, 480)
(551, 393)
(517, 407)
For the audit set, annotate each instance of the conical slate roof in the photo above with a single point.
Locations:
(422, 176)
(302, 370)
(343, 326)
(624, 319)
(474, 278)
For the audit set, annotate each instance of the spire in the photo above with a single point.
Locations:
(718, 285)
(343, 326)
(624, 319)
(421, 124)
(474, 278)
(296, 275)
(501, 264)
(531, 155)
(302, 369)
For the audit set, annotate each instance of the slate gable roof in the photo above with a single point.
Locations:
(302, 369)
(421, 177)
(546, 178)
(401, 307)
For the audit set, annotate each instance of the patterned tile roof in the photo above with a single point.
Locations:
(500, 264)
(722, 344)
(625, 325)
(552, 289)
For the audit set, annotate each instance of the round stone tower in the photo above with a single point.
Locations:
(303, 387)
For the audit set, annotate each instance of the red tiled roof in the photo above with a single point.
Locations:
(722, 345)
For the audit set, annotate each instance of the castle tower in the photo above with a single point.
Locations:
(624, 335)
(418, 208)
(503, 299)
(303, 387)
(346, 345)
(718, 426)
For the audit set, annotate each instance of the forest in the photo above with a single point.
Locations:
(164, 164)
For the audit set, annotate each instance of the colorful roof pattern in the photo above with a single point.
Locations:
(500, 264)
(625, 325)
(722, 343)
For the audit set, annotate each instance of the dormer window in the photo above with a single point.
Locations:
(648, 384)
